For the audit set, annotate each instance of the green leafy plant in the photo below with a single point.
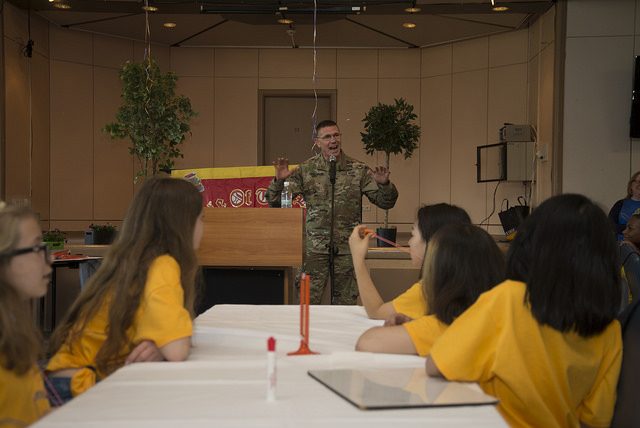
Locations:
(389, 128)
(54, 239)
(54, 235)
(152, 116)
(102, 228)
(103, 233)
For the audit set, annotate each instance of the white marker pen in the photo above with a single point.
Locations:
(271, 369)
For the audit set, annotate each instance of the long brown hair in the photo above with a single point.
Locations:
(160, 220)
(19, 339)
(462, 262)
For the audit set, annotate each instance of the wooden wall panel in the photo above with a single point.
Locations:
(112, 174)
(469, 129)
(236, 62)
(72, 129)
(17, 174)
(198, 147)
(40, 169)
(435, 150)
(236, 122)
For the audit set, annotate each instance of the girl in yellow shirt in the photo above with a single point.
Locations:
(462, 261)
(546, 342)
(411, 304)
(138, 306)
(25, 269)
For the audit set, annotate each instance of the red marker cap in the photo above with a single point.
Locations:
(271, 344)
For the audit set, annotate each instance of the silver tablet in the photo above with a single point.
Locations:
(398, 388)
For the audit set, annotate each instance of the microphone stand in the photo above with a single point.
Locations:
(332, 180)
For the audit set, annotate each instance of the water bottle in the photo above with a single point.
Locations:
(285, 196)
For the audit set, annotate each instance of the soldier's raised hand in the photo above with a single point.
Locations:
(380, 174)
(282, 168)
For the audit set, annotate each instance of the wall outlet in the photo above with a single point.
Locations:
(541, 153)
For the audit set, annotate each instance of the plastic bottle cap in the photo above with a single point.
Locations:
(271, 344)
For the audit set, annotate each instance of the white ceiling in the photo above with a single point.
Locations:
(254, 21)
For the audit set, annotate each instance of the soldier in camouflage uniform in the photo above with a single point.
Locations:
(311, 180)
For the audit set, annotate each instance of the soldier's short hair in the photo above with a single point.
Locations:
(325, 124)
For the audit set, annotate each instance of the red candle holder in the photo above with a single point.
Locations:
(305, 281)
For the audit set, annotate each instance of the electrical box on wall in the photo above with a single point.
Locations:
(512, 159)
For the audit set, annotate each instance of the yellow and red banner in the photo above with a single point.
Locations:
(232, 187)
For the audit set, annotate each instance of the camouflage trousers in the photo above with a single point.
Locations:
(345, 291)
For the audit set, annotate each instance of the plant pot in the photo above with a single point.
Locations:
(388, 234)
(103, 237)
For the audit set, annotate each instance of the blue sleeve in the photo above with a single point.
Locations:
(614, 216)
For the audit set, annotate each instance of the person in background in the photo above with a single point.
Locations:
(411, 304)
(138, 306)
(631, 232)
(25, 271)
(623, 209)
(311, 180)
(546, 342)
(462, 262)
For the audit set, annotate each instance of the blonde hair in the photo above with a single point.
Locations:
(20, 341)
(160, 220)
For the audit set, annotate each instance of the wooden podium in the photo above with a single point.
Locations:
(253, 237)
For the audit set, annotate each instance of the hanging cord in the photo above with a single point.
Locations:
(314, 115)
(147, 58)
(493, 210)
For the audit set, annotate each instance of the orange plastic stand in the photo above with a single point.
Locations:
(304, 317)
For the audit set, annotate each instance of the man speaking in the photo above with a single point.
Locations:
(313, 180)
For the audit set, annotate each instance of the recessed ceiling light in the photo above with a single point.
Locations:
(149, 8)
(500, 8)
(285, 21)
(59, 5)
(409, 25)
(51, 1)
(412, 9)
(169, 25)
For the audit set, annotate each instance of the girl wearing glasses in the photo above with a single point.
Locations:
(138, 306)
(25, 270)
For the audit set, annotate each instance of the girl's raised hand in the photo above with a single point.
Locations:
(359, 242)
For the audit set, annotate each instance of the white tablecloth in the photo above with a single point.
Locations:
(223, 384)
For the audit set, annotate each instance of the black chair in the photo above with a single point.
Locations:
(627, 410)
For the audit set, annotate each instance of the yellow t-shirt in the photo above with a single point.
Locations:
(412, 302)
(161, 318)
(424, 331)
(23, 399)
(542, 377)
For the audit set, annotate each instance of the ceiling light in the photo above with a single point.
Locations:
(409, 25)
(169, 25)
(59, 5)
(412, 9)
(285, 21)
(149, 8)
(500, 8)
(51, 1)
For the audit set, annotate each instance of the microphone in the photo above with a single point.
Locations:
(332, 169)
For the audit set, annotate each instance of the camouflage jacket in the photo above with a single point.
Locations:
(311, 180)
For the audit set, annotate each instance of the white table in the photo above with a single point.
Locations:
(223, 384)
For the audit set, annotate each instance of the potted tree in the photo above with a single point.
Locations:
(389, 128)
(152, 116)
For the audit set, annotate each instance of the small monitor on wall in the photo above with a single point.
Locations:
(635, 101)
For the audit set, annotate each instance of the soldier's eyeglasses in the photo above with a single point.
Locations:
(35, 249)
(329, 137)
